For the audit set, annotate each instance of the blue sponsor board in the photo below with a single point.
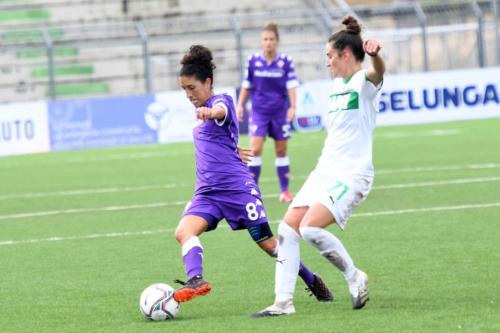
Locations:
(103, 122)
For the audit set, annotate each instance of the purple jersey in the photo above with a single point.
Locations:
(269, 82)
(218, 163)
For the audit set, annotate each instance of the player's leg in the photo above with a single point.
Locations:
(282, 164)
(255, 165)
(279, 130)
(312, 228)
(287, 265)
(265, 239)
(258, 129)
(199, 216)
(187, 232)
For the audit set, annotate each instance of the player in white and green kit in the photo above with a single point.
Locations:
(344, 174)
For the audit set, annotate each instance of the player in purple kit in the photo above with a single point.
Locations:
(270, 82)
(224, 187)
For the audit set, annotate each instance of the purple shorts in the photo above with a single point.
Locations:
(274, 125)
(240, 209)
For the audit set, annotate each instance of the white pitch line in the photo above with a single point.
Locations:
(151, 232)
(103, 158)
(89, 210)
(94, 191)
(438, 183)
(437, 132)
(482, 166)
(187, 184)
(183, 202)
(158, 152)
(427, 209)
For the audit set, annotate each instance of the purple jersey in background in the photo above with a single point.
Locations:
(269, 82)
(218, 164)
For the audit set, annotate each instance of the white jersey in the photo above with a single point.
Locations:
(350, 122)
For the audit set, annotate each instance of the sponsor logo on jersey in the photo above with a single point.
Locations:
(344, 101)
(264, 73)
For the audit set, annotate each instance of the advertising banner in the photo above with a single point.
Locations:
(440, 96)
(415, 98)
(173, 115)
(312, 100)
(23, 128)
(103, 122)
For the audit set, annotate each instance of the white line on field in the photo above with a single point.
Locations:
(183, 202)
(100, 158)
(438, 183)
(159, 152)
(427, 209)
(150, 232)
(436, 132)
(187, 184)
(458, 167)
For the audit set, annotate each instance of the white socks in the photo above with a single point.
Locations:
(331, 248)
(255, 161)
(282, 161)
(287, 263)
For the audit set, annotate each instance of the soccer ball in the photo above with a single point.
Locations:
(157, 302)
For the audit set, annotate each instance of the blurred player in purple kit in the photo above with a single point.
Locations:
(224, 187)
(270, 82)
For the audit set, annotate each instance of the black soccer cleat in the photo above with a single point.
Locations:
(319, 289)
(196, 286)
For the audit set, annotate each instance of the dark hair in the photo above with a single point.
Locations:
(349, 37)
(272, 27)
(197, 62)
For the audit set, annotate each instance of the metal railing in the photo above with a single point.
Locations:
(412, 39)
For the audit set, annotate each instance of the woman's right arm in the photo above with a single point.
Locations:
(375, 73)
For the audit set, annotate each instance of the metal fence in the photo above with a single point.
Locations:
(135, 57)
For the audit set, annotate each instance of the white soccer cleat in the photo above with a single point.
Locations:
(358, 287)
(277, 309)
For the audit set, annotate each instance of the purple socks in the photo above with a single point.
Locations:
(192, 256)
(283, 171)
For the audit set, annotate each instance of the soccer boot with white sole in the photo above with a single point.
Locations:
(196, 286)
(277, 309)
(319, 289)
(358, 287)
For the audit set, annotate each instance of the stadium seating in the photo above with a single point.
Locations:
(97, 49)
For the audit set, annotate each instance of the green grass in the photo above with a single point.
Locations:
(430, 271)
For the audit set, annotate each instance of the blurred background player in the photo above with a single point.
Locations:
(224, 186)
(344, 173)
(271, 83)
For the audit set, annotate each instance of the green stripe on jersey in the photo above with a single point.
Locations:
(344, 101)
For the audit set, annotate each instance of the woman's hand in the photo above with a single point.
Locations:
(290, 114)
(239, 113)
(204, 113)
(372, 47)
(245, 154)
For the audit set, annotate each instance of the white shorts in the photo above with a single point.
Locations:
(339, 194)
